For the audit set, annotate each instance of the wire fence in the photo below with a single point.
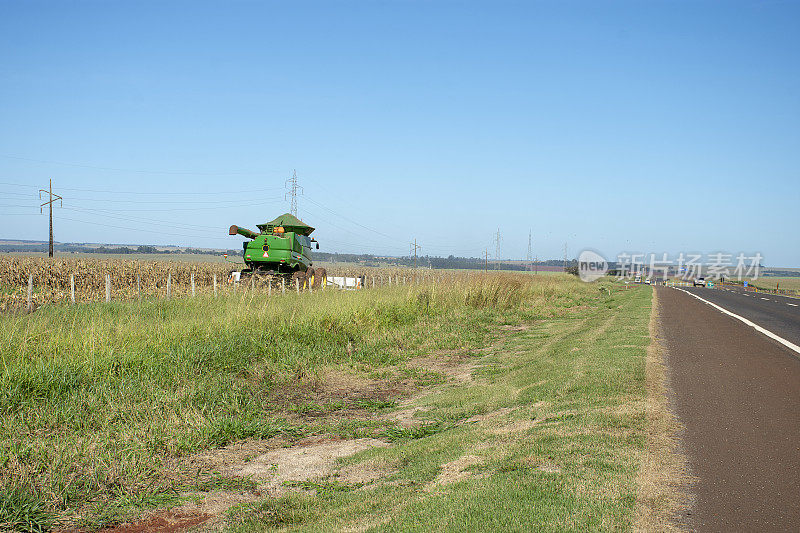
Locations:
(28, 283)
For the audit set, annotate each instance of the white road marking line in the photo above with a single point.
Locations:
(793, 305)
(767, 299)
(792, 346)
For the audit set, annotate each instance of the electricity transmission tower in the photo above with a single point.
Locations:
(414, 248)
(486, 264)
(565, 257)
(529, 257)
(49, 202)
(497, 249)
(292, 192)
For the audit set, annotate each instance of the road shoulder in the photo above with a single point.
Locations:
(663, 482)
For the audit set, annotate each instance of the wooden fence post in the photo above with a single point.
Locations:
(297, 285)
(139, 286)
(108, 287)
(30, 291)
(269, 287)
(215, 285)
(169, 285)
(283, 286)
(72, 288)
(192, 278)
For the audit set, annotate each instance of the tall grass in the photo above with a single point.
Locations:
(94, 398)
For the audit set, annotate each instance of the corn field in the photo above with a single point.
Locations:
(128, 279)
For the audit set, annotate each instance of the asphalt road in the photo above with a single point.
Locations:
(778, 314)
(737, 393)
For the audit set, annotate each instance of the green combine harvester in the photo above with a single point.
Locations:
(282, 249)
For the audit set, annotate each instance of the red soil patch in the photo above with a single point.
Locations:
(164, 522)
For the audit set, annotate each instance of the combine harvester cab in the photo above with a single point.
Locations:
(282, 248)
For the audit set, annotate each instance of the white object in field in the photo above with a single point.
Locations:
(343, 282)
(235, 277)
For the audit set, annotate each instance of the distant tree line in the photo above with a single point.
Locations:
(427, 261)
(119, 250)
(781, 273)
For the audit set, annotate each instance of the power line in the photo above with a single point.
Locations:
(152, 193)
(415, 247)
(49, 203)
(11, 193)
(138, 171)
(18, 184)
(331, 193)
(353, 221)
(530, 250)
(160, 232)
(142, 220)
(124, 213)
(208, 208)
(117, 201)
(497, 241)
(360, 236)
(293, 192)
(363, 249)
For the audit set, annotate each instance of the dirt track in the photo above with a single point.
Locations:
(738, 395)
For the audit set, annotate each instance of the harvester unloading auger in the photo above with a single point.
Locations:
(283, 248)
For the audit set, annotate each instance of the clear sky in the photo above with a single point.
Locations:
(636, 126)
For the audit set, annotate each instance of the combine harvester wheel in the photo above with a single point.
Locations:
(301, 279)
(320, 277)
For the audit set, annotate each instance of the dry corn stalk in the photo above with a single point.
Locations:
(51, 278)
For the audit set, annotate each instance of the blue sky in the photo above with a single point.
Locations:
(636, 126)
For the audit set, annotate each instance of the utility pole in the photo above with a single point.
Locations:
(52, 198)
(292, 192)
(497, 249)
(415, 247)
(486, 264)
(565, 257)
(530, 251)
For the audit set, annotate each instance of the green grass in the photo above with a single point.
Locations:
(97, 401)
(558, 447)
(21, 510)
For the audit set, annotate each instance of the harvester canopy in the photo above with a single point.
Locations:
(289, 222)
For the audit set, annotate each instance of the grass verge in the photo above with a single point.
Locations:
(98, 401)
(547, 435)
(663, 475)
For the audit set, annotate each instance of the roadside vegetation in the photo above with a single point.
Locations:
(772, 283)
(497, 400)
